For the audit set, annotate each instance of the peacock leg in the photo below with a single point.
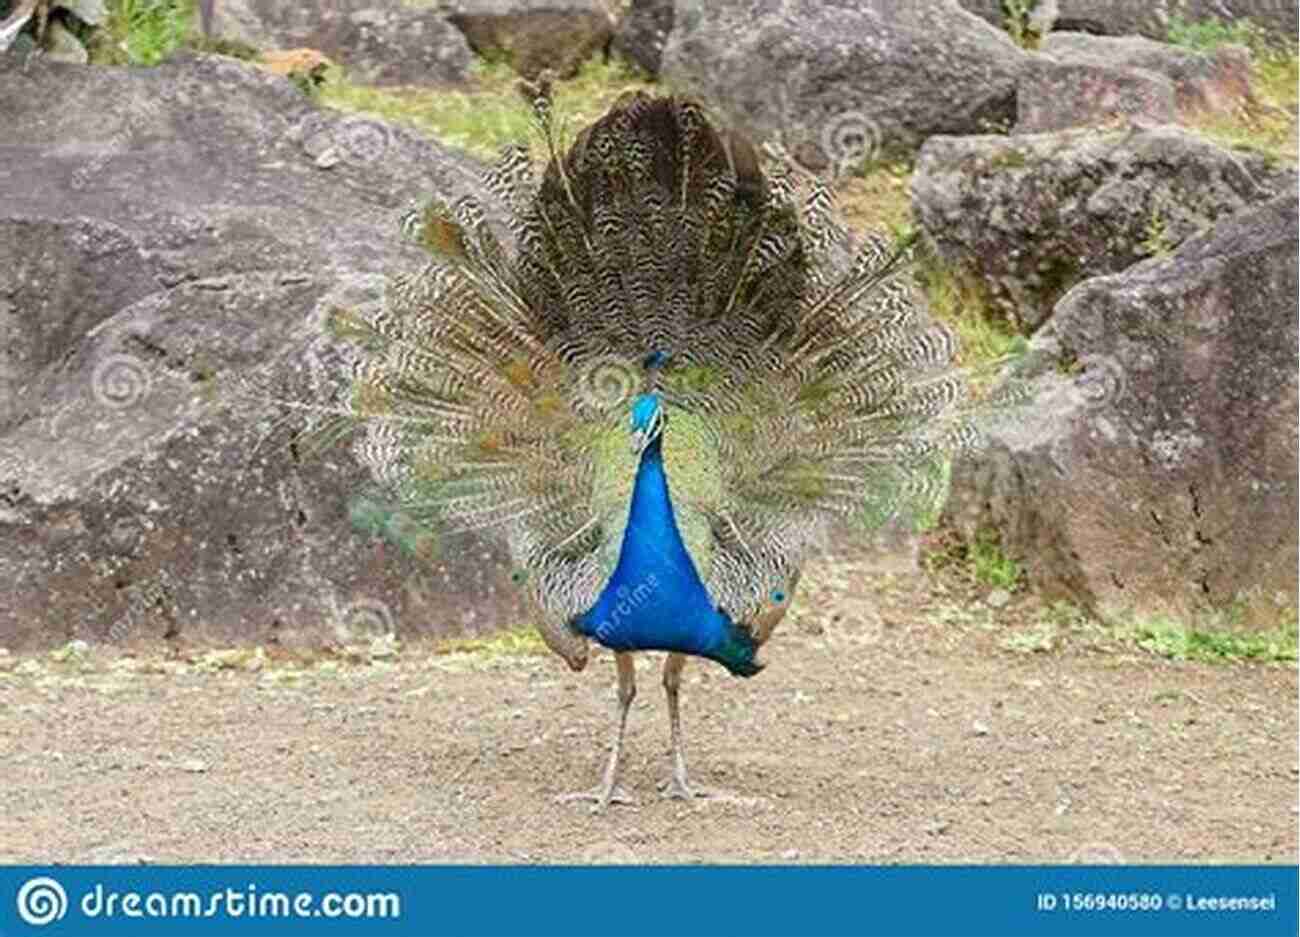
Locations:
(609, 792)
(678, 787)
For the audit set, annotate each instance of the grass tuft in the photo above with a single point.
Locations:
(519, 641)
(1206, 35)
(980, 561)
(960, 302)
(878, 198)
(489, 113)
(1266, 124)
(143, 32)
(1175, 640)
(1212, 639)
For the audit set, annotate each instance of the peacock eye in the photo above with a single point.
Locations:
(778, 596)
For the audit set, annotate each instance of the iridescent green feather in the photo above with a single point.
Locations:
(803, 380)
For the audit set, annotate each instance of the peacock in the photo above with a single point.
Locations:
(659, 392)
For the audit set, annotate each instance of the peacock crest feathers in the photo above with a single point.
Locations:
(802, 377)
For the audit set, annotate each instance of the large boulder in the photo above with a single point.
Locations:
(1151, 18)
(169, 240)
(1162, 478)
(380, 41)
(1029, 216)
(533, 35)
(642, 33)
(1059, 95)
(1217, 82)
(839, 79)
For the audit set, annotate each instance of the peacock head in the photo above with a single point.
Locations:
(569, 643)
(648, 421)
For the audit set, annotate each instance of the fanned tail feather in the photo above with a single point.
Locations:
(812, 384)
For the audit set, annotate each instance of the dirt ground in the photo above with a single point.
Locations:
(899, 720)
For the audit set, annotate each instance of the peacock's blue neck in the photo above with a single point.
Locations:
(652, 532)
(655, 599)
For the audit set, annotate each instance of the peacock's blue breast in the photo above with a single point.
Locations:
(655, 599)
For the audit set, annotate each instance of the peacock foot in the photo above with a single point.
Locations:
(599, 798)
(679, 789)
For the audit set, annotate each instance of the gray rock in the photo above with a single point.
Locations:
(1056, 96)
(380, 41)
(1027, 217)
(533, 35)
(998, 598)
(268, 24)
(843, 79)
(1217, 82)
(62, 46)
(169, 247)
(642, 33)
(407, 47)
(1149, 18)
(90, 12)
(1162, 477)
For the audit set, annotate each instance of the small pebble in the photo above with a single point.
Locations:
(997, 598)
(979, 728)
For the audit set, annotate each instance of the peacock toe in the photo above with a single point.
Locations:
(599, 798)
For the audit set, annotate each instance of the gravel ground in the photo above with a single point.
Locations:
(904, 721)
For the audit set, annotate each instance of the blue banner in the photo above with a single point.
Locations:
(1234, 901)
